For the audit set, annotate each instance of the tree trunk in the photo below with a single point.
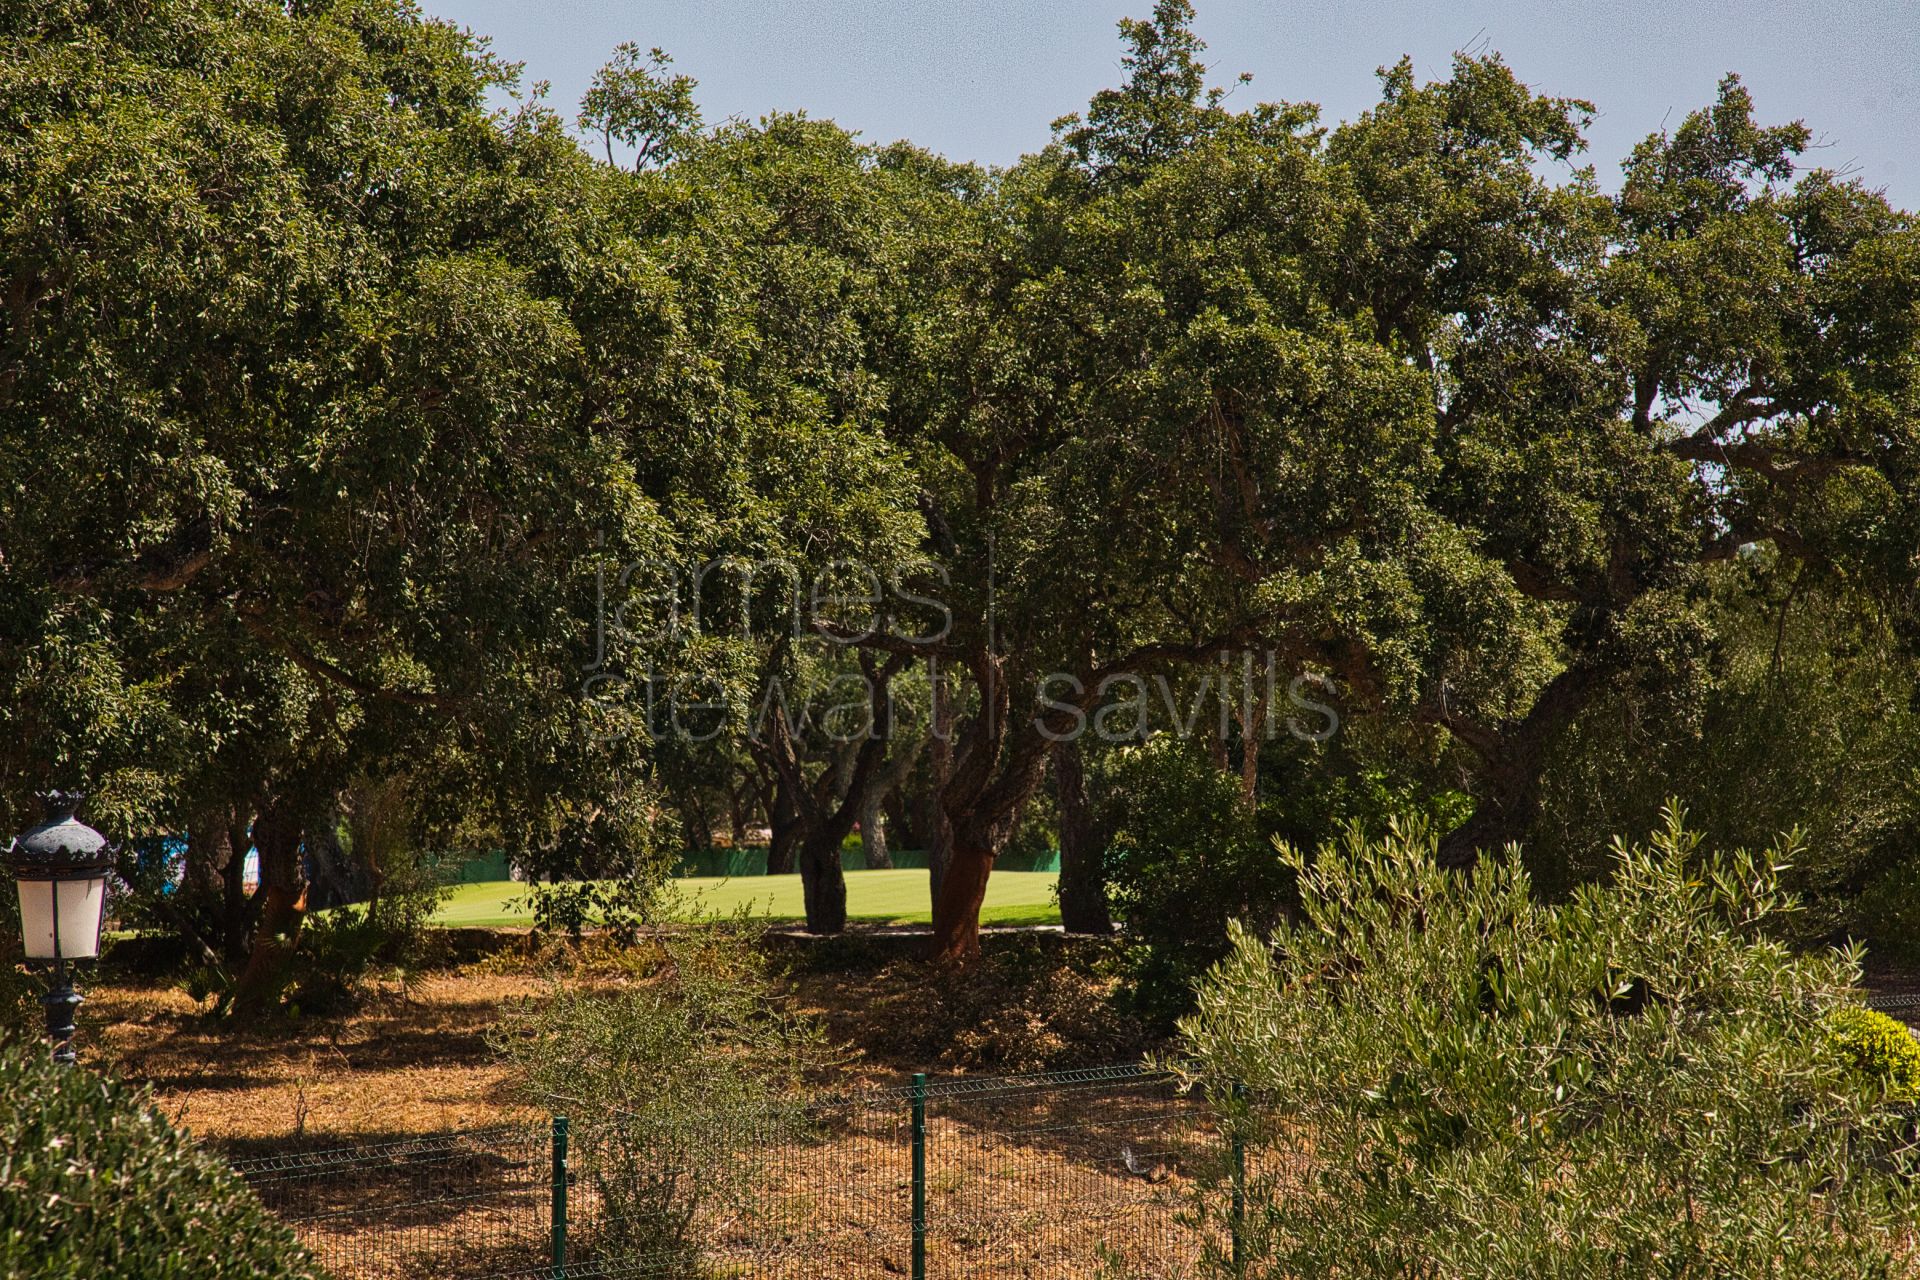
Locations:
(935, 829)
(963, 891)
(697, 823)
(336, 880)
(939, 857)
(1503, 814)
(873, 835)
(1514, 757)
(830, 806)
(991, 777)
(783, 826)
(1253, 727)
(902, 831)
(1217, 748)
(1083, 880)
(207, 854)
(737, 799)
(823, 877)
(196, 909)
(823, 883)
(283, 908)
(877, 828)
(238, 910)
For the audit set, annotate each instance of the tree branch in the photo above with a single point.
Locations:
(314, 665)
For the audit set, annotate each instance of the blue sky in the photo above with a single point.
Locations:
(983, 79)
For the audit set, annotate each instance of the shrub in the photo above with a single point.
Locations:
(1887, 910)
(673, 1078)
(96, 1185)
(19, 1007)
(1450, 1078)
(621, 907)
(1880, 1048)
(340, 948)
(390, 929)
(1188, 853)
(1184, 859)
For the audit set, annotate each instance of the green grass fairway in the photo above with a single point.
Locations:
(890, 897)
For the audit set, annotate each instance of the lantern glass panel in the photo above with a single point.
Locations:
(60, 919)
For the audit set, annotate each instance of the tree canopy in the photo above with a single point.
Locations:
(342, 411)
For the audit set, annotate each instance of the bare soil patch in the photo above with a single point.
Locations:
(412, 1059)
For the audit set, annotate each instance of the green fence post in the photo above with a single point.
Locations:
(920, 1176)
(559, 1198)
(1239, 1171)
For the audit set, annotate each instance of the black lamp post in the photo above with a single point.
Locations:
(61, 869)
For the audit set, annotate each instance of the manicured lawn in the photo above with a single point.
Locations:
(893, 897)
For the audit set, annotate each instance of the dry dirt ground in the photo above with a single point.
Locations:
(411, 1060)
(1057, 1183)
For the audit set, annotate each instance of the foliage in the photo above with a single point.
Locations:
(342, 947)
(355, 316)
(620, 907)
(1189, 853)
(18, 997)
(1450, 1077)
(1805, 720)
(1409, 400)
(1887, 910)
(638, 104)
(1186, 857)
(1161, 110)
(1880, 1048)
(98, 1185)
(692, 1043)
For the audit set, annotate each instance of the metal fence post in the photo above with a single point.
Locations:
(1239, 1181)
(559, 1198)
(920, 1176)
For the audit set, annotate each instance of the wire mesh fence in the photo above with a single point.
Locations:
(1065, 1176)
(1076, 1174)
(477, 1203)
(822, 1189)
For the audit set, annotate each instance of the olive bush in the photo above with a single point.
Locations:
(676, 1069)
(1444, 1076)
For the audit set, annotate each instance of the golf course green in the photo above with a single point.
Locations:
(888, 897)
